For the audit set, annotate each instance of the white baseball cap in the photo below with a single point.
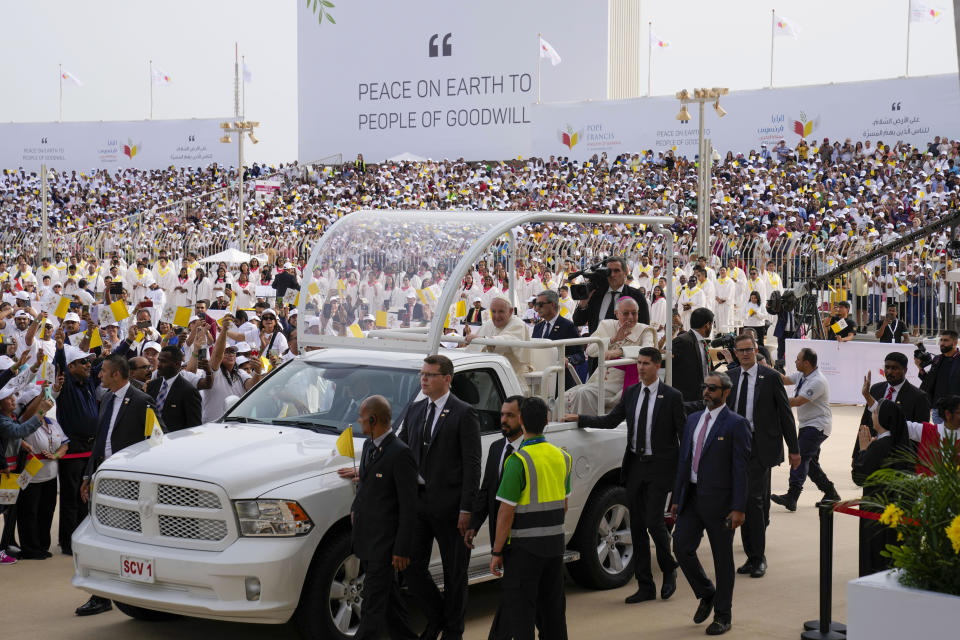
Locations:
(152, 345)
(71, 317)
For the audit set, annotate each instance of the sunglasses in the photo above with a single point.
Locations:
(711, 387)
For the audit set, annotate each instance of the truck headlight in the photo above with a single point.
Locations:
(264, 518)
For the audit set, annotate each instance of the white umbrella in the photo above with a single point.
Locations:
(230, 256)
(406, 157)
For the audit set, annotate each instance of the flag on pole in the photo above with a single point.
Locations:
(247, 73)
(345, 443)
(657, 41)
(547, 51)
(160, 77)
(151, 428)
(923, 12)
(66, 75)
(784, 27)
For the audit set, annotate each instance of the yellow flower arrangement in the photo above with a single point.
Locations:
(891, 516)
(953, 532)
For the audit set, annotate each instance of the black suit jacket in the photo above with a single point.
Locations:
(590, 316)
(451, 464)
(722, 474)
(563, 329)
(284, 281)
(384, 509)
(182, 407)
(666, 428)
(773, 420)
(128, 429)
(486, 506)
(688, 373)
(928, 380)
(914, 403)
(475, 316)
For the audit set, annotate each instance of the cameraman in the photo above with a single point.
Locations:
(892, 328)
(943, 378)
(842, 321)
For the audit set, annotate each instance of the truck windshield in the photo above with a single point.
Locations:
(324, 396)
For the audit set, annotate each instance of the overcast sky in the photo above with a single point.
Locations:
(107, 44)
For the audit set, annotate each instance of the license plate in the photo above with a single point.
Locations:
(139, 569)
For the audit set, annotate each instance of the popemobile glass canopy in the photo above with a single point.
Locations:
(440, 248)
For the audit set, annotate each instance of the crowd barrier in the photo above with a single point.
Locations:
(844, 364)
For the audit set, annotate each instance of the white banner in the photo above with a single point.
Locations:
(910, 109)
(457, 79)
(844, 364)
(141, 144)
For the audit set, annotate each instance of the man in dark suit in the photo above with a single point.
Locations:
(913, 403)
(943, 378)
(475, 313)
(121, 423)
(383, 515)
(602, 301)
(486, 505)
(691, 360)
(553, 326)
(759, 396)
(178, 401)
(443, 432)
(710, 493)
(655, 416)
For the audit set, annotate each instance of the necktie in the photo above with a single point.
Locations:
(889, 395)
(641, 444)
(105, 425)
(164, 388)
(507, 450)
(613, 305)
(799, 385)
(742, 399)
(367, 455)
(700, 438)
(427, 431)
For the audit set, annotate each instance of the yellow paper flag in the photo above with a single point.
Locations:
(563, 312)
(446, 322)
(265, 364)
(182, 317)
(62, 307)
(355, 330)
(95, 339)
(9, 481)
(33, 466)
(836, 328)
(119, 310)
(151, 423)
(345, 443)
(313, 289)
(381, 318)
(462, 309)
(903, 288)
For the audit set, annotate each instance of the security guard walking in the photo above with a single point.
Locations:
(529, 546)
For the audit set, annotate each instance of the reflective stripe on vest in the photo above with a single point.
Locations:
(539, 513)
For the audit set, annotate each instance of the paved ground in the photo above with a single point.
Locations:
(39, 601)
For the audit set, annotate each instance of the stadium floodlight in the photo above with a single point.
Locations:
(226, 139)
(253, 138)
(684, 115)
(720, 110)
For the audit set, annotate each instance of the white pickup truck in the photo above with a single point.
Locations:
(246, 519)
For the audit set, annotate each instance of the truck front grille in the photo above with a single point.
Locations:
(118, 518)
(192, 528)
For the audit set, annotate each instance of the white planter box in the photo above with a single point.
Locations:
(879, 607)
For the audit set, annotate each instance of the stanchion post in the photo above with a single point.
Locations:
(825, 628)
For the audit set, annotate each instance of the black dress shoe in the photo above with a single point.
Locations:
(703, 610)
(785, 500)
(93, 606)
(669, 585)
(746, 568)
(718, 627)
(642, 595)
(432, 632)
(759, 570)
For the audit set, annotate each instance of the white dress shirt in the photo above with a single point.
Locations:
(752, 372)
(605, 303)
(647, 446)
(117, 402)
(713, 413)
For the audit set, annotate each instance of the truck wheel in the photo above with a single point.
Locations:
(604, 541)
(332, 596)
(147, 615)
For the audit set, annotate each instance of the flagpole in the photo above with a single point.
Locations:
(539, 60)
(243, 87)
(773, 26)
(649, 53)
(906, 72)
(60, 97)
(151, 89)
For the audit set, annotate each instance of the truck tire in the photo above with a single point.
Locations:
(147, 615)
(331, 601)
(604, 540)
